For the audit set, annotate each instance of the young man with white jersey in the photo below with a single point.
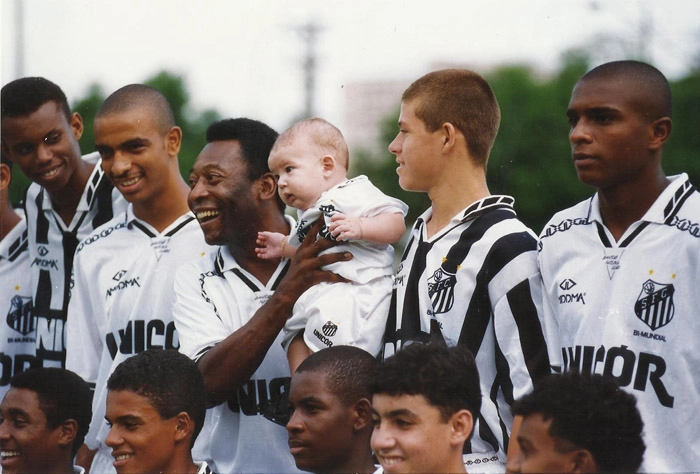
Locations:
(231, 306)
(17, 323)
(621, 269)
(468, 275)
(70, 197)
(121, 301)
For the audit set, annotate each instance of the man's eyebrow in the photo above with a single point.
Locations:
(396, 413)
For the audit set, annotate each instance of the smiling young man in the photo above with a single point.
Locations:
(425, 400)
(155, 410)
(331, 423)
(123, 273)
(621, 269)
(576, 423)
(231, 306)
(43, 420)
(69, 198)
(469, 273)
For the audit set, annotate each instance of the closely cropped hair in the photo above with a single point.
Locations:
(170, 380)
(63, 395)
(462, 98)
(256, 141)
(25, 96)
(321, 132)
(347, 371)
(590, 412)
(652, 86)
(139, 95)
(446, 376)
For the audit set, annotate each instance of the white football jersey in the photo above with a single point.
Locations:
(214, 298)
(121, 301)
(629, 309)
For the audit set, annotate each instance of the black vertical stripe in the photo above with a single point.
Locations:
(531, 333)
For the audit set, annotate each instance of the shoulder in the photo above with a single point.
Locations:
(568, 218)
(105, 235)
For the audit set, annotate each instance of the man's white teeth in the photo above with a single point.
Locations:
(121, 457)
(129, 182)
(50, 173)
(9, 454)
(206, 214)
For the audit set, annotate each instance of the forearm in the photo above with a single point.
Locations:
(383, 228)
(232, 362)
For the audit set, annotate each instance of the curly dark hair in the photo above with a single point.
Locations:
(170, 380)
(592, 412)
(446, 376)
(25, 96)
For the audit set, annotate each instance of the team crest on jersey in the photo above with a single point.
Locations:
(20, 317)
(441, 289)
(654, 304)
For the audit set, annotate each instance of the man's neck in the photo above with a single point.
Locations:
(165, 208)
(452, 196)
(65, 201)
(623, 205)
(243, 249)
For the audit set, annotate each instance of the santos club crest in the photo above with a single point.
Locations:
(654, 304)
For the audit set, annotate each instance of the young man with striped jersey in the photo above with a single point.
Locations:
(69, 198)
(469, 273)
(121, 302)
(621, 269)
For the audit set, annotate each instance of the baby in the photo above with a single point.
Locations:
(310, 163)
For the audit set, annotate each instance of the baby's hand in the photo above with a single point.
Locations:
(269, 245)
(345, 227)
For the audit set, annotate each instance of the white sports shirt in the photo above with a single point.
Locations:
(365, 300)
(353, 197)
(214, 298)
(52, 244)
(476, 283)
(121, 301)
(629, 309)
(17, 341)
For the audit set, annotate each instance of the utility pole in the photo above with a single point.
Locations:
(309, 35)
(19, 39)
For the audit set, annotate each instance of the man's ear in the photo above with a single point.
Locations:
(5, 176)
(67, 432)
(173, 140)
(462, 423)
(661, 131)
(584, 462)
(76, 124)
(362, 411)
(267, 186)
(184, 426)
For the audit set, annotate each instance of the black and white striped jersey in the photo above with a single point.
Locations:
(52, 244)
(476, 283)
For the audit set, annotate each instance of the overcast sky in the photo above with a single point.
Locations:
(243, 57)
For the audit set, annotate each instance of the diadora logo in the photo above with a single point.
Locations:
(45, 263)
(567, 298)
(567, 284)
(43, 251)
(654, 304)
(118, 276)
(123, 283)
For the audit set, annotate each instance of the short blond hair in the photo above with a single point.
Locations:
(322, 133)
